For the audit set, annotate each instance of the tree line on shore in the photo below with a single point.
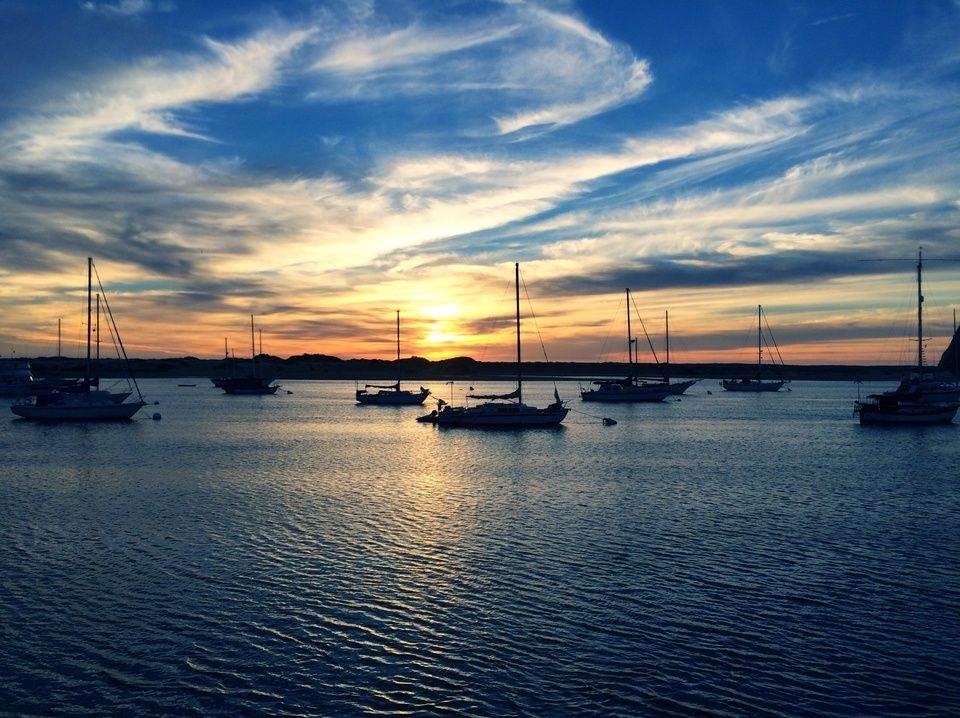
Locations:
(321, 366)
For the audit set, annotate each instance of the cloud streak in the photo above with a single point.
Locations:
(345, 163)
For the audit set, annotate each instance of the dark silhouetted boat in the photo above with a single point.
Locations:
(633, 389)
(83, 399)
(755, 383)
(253, 383)
(501, 410)
(921, 397)
(392, 394)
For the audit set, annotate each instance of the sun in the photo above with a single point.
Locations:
(440, 335)
(440, 311)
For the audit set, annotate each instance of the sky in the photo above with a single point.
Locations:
(323, 164)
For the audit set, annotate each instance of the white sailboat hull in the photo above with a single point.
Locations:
(95, 406)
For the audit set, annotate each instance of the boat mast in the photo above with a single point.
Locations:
(759, 340)
(919, 312)
(97, 363)
(666, 319)
(398, 350)
(253, 349)
(89, 314)
(629, 341)
(516, 268)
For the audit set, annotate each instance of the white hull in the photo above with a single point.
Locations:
(95, 409)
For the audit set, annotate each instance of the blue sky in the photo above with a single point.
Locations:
(323, 164)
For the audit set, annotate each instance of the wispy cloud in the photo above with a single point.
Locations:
(552, 67)
(146, 96)
(127, 8)
(333, 166)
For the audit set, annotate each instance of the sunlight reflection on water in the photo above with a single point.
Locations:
(295, 554)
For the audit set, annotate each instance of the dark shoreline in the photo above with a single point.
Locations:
(318, 366)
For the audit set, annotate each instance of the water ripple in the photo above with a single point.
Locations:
(295, 562)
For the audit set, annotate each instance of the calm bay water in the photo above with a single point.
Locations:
(723, 555)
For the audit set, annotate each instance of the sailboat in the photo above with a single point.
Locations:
(631, 389)
(501, 410)
(254, 383)
(921, 398)
(392, 394)
(755, 384)
(83, 399)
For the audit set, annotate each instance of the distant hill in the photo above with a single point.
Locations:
(321, 366)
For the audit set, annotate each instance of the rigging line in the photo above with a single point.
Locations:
(536, 326)
(533, 316)
(584, 413)
(770, 332)
(492, 325)
(113, 326)
(611, 325)
(642, 326)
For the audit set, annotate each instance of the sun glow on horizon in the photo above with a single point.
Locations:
(440, 311)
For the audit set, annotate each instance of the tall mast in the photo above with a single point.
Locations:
(919, 312)
(398, 350)
(759, 339)
(98, 334)
(666, 319)
(253, 344)
(89, 311)
(516, 268)
(629, 339)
